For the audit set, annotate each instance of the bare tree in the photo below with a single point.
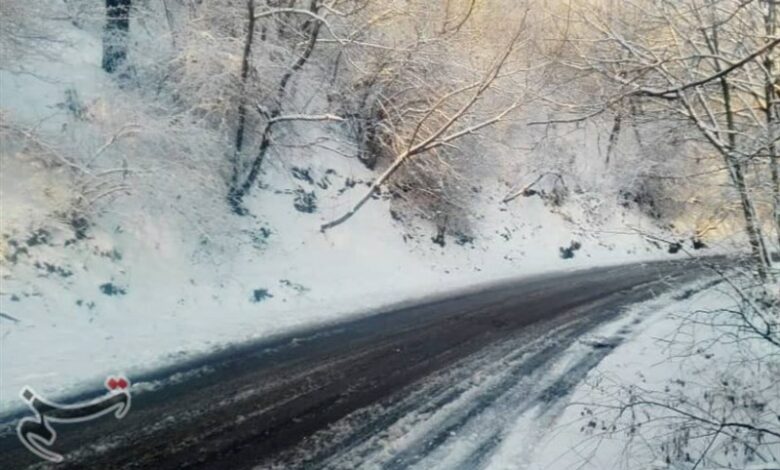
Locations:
(691, 60)
(309, 29)
(708, 68)
(448, 118)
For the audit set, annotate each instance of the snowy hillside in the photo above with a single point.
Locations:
(166, 271)
(453, 234)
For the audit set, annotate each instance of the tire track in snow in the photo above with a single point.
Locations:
(425, 428)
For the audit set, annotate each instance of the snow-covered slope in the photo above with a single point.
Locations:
(166, 271)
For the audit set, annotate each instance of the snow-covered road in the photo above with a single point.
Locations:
(489, 410)
(448, 384)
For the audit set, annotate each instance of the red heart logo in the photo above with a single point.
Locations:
(116, 383)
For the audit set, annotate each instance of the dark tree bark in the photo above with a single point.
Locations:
(245, 66)
(115, 35)
(614, 135)
(239, 189)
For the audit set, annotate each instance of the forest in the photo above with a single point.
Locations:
(163, 156)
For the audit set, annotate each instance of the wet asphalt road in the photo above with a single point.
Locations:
(259, 405)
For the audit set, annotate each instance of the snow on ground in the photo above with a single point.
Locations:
(146, 283)
(679, 358)
(545, 399)
(139, 294)
(495, 408)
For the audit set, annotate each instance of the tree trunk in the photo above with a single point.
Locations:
(771, 98)
(736, 171)
(752, 224)
(241, 126)
(115, 35)
(614, 135)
